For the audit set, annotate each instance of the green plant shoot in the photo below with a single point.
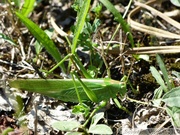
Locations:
(63, 89)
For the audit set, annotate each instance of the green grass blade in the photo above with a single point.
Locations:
(8, 39)
(164, 71)
(172, 98)
(42, 37)
(80, 23)
(158, 78)
(63, 89)
(119, 18)
(28, 7)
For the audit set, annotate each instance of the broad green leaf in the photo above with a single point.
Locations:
(28, 7)
(176, 116)
(158, 78)
(119, 18)
(174, 113)
(42, 37)
(8, 39)
(38, 47)
(74, 133)
(63, 89)
(164, 71)
(95, 119)
(176, 2)
(175, 73)
(172, 98)
(144, 57)
(66, 125)
(100, 129)
(157, 102)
